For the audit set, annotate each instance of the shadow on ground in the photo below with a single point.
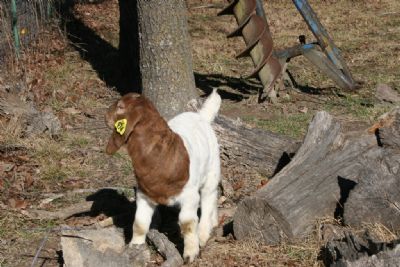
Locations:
(115, 68)
(116, 205)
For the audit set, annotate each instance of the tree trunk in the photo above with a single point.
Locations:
(317, 183)
(165, 55)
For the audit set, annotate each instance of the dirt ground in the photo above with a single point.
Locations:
(71, 72)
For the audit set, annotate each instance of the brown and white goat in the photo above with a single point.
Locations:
(175, 163)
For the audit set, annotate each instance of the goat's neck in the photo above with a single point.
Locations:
(148, 142)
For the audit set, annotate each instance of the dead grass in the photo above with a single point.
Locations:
(251, 253)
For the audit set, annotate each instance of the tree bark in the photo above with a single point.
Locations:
(165, 55)
(317, 183)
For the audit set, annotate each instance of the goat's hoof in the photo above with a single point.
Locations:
(203, 238)
(189, 256)
(188, 259)
(137, 242)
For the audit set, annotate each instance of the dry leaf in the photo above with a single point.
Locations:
(238, 185)
(28, 180)
(262, 183)
(23, 158)
(222, 219)
(17, 203)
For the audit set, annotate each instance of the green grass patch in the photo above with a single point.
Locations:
(294, 125)
(78, 141)
(357, 107)
(47, 149)
(53, 172)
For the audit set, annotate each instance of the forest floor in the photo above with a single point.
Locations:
(76, 81)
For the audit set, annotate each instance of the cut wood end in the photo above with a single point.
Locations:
(385, 121)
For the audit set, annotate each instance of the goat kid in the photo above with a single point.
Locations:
(176, 163)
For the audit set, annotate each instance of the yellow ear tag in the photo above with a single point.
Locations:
(120, 126)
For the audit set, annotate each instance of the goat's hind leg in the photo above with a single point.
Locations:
(209, 209)
(188, 222)
(143, 215)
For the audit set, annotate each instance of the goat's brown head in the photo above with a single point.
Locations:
(122, 117)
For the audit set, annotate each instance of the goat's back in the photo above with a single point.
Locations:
(201, 143)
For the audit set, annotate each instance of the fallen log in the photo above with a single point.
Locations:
(364, 251)
(264, 151)
(376, 198)
(62, 214)
(317, 183)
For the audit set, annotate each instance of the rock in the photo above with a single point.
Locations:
(100, 248)
(45, 122)
(30, 120)
(385, 93)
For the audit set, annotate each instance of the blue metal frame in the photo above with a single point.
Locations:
(326, 43)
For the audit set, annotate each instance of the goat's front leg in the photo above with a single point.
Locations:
(188, 222)
(143, 215)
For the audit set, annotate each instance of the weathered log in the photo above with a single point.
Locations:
(261, 150)
(166, 248)
(62, 214)
(364, 251)
(316, 183)
(376, 197)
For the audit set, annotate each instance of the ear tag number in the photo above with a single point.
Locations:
(120, 126)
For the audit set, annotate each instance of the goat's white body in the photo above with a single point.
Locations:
(201, 188)
(202, 146)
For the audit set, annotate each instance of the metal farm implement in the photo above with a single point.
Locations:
(269, 64)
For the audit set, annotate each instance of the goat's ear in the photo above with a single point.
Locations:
(121, 134)
(114, 143)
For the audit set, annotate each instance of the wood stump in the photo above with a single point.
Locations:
(319, 180)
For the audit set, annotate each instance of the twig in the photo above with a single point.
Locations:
(87, 190)
(166, 248)
(208, 6)
(40, 248)
(62, 214)
(53, 196)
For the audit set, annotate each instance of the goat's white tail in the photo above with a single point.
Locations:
(211, 106)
